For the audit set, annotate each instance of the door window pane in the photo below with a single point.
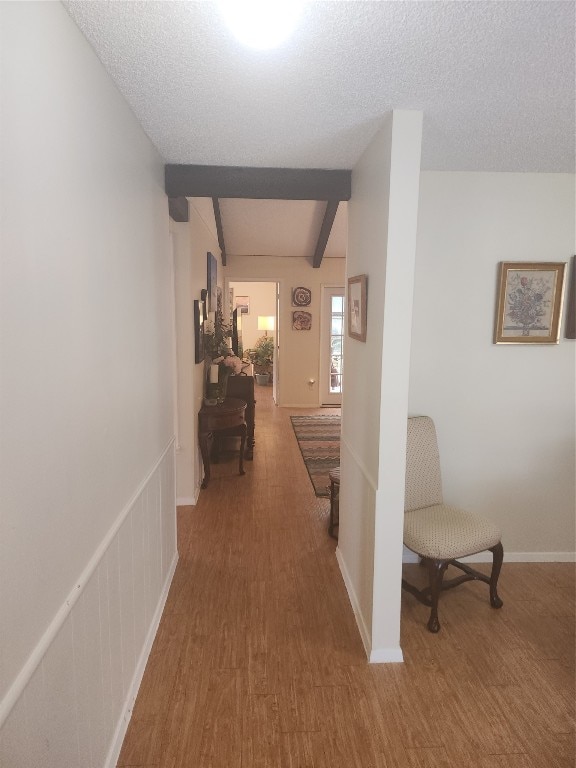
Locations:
(337, 304)
(336, 326)
(336, 335)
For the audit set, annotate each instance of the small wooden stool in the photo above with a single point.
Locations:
(334, 475)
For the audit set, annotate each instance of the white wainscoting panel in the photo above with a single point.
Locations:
(75, 704)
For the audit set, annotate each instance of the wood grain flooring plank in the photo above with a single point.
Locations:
(433, 757)
(261, 732)
(507, 761)
(155, 698)
(258, 662)
(221, 744)
(296, 750)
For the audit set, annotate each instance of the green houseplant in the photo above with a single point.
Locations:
(261, 358)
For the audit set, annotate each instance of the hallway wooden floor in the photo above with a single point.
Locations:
(258, 662)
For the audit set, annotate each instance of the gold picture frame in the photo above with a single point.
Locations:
(357, 307)
(529, 302)
(570, 327)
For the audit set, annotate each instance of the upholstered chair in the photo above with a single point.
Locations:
(438, 533)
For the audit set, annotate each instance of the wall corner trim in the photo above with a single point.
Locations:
(361, 465)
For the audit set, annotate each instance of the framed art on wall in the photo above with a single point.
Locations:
(301, 321)
(243, 304)
(198, 331)
(219, 301)
(570, 331)
(357, 307)
(529, 302)
(301, 297)
(212, 276)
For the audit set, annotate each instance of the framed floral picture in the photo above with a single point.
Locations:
(357, 308)
(529, 302)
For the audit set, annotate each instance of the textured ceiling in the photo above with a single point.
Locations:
(495, 80)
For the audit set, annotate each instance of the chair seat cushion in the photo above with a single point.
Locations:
(441, 532)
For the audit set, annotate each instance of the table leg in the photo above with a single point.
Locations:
(242, 444)
(205, 451)
(250, 441)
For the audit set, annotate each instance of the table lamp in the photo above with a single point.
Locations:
(266, 323)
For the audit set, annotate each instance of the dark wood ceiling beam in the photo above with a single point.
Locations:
(219, 229)
(257, 183)
(178, 208)
(325, 229)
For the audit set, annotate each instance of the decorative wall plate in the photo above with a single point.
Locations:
(301, 297)
(301, 321)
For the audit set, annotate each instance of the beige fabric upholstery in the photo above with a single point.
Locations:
(441, 532)
(423, 479)
(431, 528)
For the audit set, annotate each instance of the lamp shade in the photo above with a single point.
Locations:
(265, 322)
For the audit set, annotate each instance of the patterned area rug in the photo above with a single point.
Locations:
(319, 442)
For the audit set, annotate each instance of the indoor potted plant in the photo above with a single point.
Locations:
(220, 361)
(261, 358)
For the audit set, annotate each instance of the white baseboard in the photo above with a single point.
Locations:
(299, 405)
(532, 557)
(386, 656)
(374, 655)
(189, 501)
(124, 721)
(186, 501)
(364, 634)
(509, 557)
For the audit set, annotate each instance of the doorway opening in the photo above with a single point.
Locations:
(332, 344)
(256, 305)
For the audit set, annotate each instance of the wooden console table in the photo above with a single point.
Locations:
(243, 388)
(229, 415)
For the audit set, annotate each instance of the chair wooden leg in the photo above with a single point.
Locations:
(334, 508)
(436, 570)
(498, 557)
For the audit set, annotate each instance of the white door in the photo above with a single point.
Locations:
(331, 339)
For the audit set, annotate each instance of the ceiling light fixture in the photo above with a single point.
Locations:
(261, 24)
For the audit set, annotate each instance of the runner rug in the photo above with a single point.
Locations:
(319, 442)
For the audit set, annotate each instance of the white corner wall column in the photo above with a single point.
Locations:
(382, 230)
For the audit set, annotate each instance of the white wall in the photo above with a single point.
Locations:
(262, 302)
(87, 539)
(504, 414)
(192, 241)
(381, 243)
(299, 350)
